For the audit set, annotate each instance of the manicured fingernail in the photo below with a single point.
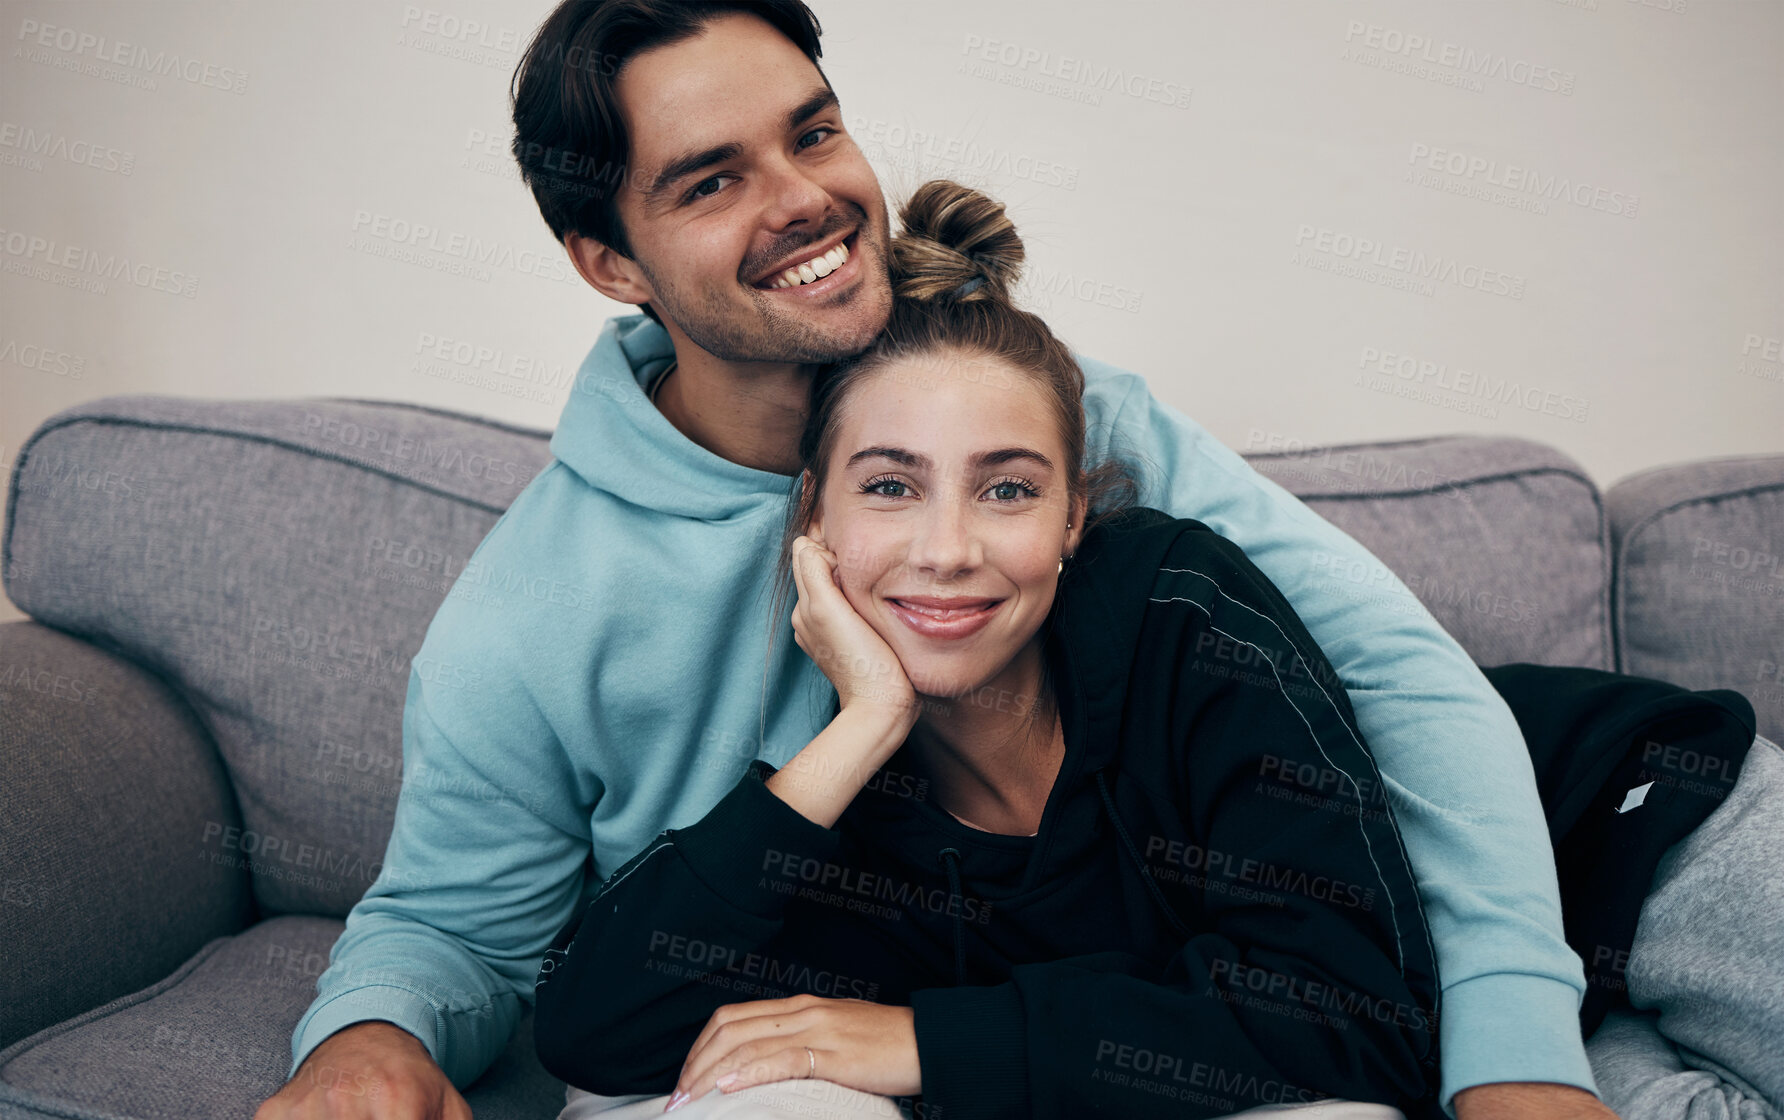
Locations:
(680, 1098)
(727, 1082)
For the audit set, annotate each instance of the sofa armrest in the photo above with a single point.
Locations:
(113, 809)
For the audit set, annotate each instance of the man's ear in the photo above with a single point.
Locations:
(608, 271)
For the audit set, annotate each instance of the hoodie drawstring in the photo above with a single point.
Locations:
(1127, 843)
(950, 858)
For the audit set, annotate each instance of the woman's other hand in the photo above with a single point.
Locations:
(852, 1042)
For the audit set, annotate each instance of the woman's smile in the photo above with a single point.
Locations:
(945, 619)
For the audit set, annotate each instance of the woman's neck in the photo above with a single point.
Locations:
(993, 754)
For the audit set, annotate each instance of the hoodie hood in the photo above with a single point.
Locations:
(616, 440)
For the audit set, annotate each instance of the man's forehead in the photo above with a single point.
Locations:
(739, 78)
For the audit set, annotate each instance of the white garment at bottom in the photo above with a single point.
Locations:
(788, 1100)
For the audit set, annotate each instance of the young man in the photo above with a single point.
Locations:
(692, 159)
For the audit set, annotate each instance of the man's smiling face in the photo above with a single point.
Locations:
(740, 174)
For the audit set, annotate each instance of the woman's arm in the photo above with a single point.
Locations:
(681, 929)
(691, 923)
(1307, 969)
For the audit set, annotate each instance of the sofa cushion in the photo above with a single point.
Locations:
(1503, 540)
(214, 1039)
(109, 787)
(1700, 578)
(279, 563)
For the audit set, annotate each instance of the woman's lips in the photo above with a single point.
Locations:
(945, 620)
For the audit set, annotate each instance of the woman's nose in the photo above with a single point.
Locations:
(946, 543)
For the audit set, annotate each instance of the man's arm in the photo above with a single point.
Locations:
(483, 867)
(1451, 755)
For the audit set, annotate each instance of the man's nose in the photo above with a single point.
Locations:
(793, 197)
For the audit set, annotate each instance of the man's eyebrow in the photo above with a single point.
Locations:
(698, 161)
(982, 459)
(683, 166)
(815, 102)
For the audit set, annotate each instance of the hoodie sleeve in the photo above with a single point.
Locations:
(1305, 969)
(1451, 753)
(681, 929)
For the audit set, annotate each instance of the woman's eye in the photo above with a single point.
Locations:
(885, 488)
(1010, 490)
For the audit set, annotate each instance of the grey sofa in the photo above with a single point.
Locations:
(200, 744)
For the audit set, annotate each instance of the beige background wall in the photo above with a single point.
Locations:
(1304, 221)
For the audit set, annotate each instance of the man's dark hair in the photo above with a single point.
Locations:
(569, 138)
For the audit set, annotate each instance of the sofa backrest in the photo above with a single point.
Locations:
(1699, 550)
(279, 562)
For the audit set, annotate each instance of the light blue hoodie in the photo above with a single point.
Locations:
(617, 617)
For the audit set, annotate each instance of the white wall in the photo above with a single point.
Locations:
(1202, 219)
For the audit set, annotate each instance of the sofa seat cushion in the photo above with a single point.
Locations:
(214, 1039)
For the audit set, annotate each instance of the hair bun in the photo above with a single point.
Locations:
(953, 236)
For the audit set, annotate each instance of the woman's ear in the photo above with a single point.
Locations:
(608, 271)
(1074, 534)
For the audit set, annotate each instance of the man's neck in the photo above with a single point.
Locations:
(749, 413)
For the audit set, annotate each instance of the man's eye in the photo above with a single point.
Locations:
(818, 132)
(706, 188)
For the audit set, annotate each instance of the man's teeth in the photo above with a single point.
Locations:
(814, 269)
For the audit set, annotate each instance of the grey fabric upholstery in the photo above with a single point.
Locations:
(1503, 540)
(277, 563)
(214, 1039)
(1700, 584)
(111, 789)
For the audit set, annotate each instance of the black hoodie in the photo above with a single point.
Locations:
(1213, 915)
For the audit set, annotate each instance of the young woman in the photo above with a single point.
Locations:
(1090, 831)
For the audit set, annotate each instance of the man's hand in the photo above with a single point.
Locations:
(368, 1071)
(1529, 1100)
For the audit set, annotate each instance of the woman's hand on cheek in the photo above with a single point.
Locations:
(840, 642)
(852, 1042)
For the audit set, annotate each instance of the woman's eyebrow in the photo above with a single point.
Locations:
(906, 458)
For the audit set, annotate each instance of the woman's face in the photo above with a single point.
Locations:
(946, 509)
